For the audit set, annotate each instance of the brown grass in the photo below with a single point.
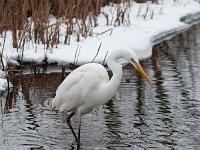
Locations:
(14, 16)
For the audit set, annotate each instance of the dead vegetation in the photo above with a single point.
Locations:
(28, 20)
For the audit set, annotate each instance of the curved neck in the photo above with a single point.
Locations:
(113, 84)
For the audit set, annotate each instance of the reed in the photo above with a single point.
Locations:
(28, 20)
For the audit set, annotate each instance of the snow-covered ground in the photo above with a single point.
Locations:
(140, 31)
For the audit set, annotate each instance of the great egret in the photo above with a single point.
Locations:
(89, 86)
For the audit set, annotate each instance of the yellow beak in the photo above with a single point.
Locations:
(141, 70)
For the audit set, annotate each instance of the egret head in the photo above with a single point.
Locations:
(133, 59)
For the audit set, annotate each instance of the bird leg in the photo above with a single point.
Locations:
(79, 131)
(69, 124)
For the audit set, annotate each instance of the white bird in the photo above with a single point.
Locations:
(88, 86)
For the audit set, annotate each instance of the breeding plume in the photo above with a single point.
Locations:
(88, 86)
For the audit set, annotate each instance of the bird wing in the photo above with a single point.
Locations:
(67, 95)
(77, 85)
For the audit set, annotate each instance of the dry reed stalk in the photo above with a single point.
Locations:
(79, 17)
(97, 53)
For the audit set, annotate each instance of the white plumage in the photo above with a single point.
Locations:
(80, 87)
(89, 86)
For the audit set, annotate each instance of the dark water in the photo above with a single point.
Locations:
(164, 116)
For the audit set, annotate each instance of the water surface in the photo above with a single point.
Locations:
(164, 116)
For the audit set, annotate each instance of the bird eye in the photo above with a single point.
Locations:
(132, 60)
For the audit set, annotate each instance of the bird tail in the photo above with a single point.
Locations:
(52, 105)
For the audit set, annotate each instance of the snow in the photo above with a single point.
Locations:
(3, 84)
(139, 32)
(3, 79)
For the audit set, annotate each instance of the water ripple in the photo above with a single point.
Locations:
(164, 116)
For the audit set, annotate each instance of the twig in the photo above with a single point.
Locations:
(105, 58)
(76, 54)
(58, 22)
(111, 29)
(96, 53)
(147, 10)
(23, 35)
